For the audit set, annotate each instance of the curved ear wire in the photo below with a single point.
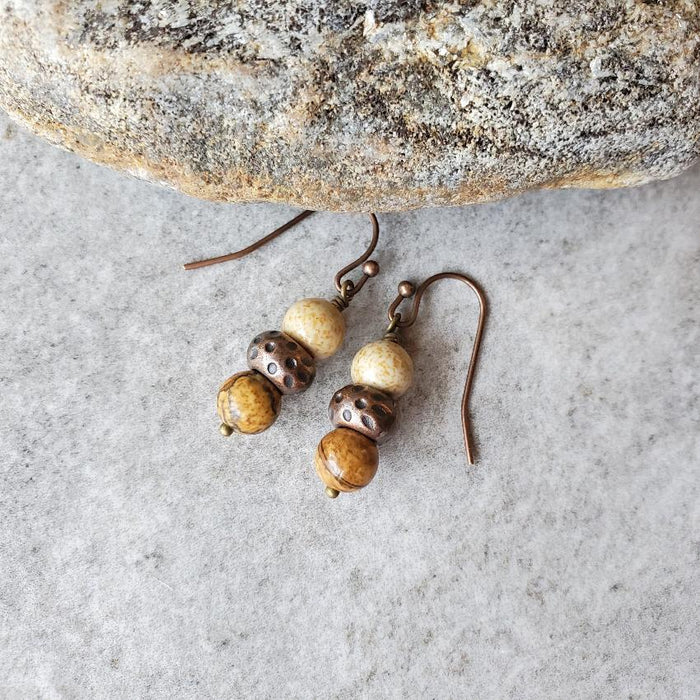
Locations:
(251, 248)
(406, 290)
(346, 288)
(369, 270)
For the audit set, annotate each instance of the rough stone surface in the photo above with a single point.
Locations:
(142, 555)
(361, 105)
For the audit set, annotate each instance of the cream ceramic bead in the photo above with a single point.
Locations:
(317, 324)
(384, 365)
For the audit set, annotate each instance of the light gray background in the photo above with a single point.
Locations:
(145, 556)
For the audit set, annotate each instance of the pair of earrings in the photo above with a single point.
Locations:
(362, 413)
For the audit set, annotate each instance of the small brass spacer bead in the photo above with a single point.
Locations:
(332, 493)
(225, 430)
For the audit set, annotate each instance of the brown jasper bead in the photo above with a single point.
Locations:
(280, 358)
(364, 409)
(248, 403)
(346, 460)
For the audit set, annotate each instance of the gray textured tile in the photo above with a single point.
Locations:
(144, 556)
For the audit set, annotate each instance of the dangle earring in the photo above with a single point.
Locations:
(363, 413)
(284, 362)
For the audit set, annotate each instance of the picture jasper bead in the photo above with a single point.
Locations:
(346, 460)
(288, 365)
(384, 365)
(364, 409)
(317, 324)
(248, 403)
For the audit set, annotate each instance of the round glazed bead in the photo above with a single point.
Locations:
(289, 366)
(364, 409)
(346, 460)
(248, 403)
(317, 324)
(384, 365)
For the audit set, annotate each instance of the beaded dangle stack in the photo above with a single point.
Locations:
(283, 363)
(280, 363)
(363, 413)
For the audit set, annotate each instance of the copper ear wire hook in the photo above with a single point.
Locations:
(251, 248)
(347, 289)
(406, 290)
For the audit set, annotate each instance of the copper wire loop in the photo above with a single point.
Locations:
(346, 288)
(396, 321)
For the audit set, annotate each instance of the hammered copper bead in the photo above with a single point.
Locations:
(248, 403)
(346, 460)
(280, 358)
(364, 409)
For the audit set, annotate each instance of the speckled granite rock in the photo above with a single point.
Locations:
(361, 105)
